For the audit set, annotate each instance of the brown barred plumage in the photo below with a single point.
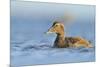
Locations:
(63, 42)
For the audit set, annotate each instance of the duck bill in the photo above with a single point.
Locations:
(49, 31)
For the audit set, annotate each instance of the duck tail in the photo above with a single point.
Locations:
(90, 44)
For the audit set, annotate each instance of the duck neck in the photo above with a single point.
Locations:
(60, 40)
(61, 36)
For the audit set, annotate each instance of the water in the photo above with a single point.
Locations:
(29, 44)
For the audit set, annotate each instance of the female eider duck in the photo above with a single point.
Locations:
(64, 42)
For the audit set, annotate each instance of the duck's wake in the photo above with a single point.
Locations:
(45, 46)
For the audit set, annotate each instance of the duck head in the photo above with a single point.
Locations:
(57, 28)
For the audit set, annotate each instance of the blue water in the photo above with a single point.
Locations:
(29, 44)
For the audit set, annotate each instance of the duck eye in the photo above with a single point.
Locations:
(56, 25)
